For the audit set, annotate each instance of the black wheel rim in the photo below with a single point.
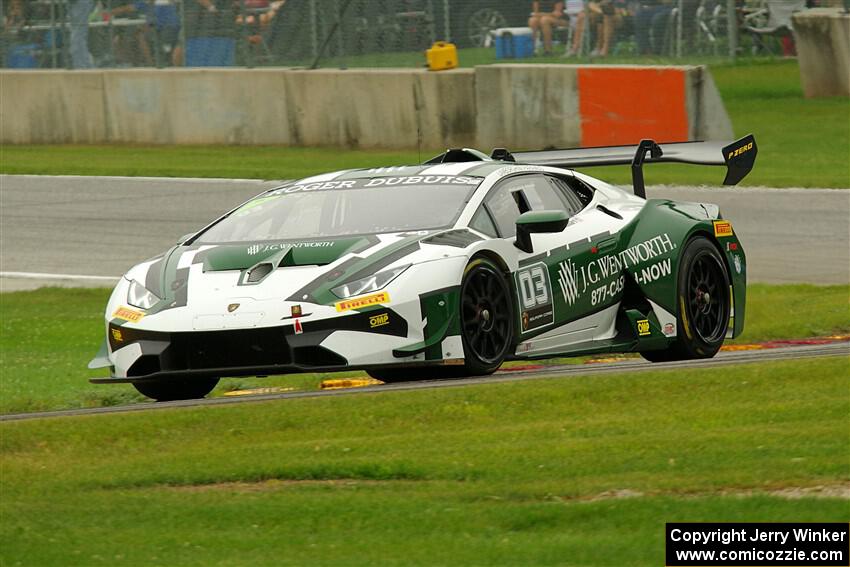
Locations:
(707, 297)
(485, 314)
(481, 23)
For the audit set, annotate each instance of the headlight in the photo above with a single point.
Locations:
(369, 284)
(138, 296)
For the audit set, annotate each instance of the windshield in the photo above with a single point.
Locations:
(338, 208)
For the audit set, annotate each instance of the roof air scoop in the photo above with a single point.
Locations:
(502, 154)
(458, 155)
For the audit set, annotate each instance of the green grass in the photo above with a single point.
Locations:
(48, 336)
(242, 162)
(504, 474)
(802, 143)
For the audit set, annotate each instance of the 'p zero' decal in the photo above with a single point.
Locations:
(534, 293)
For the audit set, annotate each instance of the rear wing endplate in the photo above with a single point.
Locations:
(738, 157)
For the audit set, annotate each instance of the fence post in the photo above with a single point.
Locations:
(679, 18)
(53, 35)
(314, 32)
(181, 36)
(447, 22)
(732, 28)
(157, 47)
(242, 39)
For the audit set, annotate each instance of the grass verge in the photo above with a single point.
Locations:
(582, 471)
(802, 143)
(49, 335)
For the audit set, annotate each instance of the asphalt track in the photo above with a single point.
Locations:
(79, 227)
(565, 372)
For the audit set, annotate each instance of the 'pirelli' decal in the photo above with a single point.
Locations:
(723, 228)
(365, 301)
(128, 314)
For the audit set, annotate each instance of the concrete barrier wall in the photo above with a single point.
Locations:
(537, 106)
(822, 36)
(518, 106)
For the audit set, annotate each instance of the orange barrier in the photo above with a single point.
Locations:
(622, 105)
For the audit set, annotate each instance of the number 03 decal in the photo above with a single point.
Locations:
(535, 297)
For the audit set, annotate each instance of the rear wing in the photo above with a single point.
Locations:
(738, 157)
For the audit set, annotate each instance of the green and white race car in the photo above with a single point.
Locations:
(437, 270)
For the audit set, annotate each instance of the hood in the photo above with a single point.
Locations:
(260, 268)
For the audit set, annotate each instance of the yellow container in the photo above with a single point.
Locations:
(441, 56)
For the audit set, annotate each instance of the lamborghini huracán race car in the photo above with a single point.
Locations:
(436, 270)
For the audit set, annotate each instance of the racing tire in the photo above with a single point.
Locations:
(167, 390)
(486, 317)
(703, 298)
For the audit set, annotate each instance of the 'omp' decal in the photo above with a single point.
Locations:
(643, 327)
(722, 228)
(361, 302)
(128, 314)
(379, 320)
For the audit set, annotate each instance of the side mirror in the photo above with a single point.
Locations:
(538, 221)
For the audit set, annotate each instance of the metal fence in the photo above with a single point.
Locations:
(71, 34)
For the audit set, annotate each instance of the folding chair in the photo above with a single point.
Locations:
(778, 23)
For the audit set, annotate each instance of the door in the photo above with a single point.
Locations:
(568, 289)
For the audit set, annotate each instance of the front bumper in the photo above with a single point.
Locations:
(140, 355)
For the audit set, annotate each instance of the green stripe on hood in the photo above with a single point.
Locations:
(302, 253)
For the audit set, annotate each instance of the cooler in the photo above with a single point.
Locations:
(513, 43)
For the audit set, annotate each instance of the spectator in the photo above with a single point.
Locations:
(78, 13)
(261, 16)
(546, 15)
(650, 23)
(258, 20)
(16, 52)
(602, 17)
(14, 16)
(165, 26)
(130, 44)
(210, 33)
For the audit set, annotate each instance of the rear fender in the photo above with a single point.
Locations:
(654, 243)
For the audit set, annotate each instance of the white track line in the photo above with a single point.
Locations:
(42, 276)
(142, 178)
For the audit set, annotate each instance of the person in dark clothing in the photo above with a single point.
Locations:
(130, 45)
(650, 22)
(210, 33)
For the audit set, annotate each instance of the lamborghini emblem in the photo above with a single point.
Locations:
(232, 307)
